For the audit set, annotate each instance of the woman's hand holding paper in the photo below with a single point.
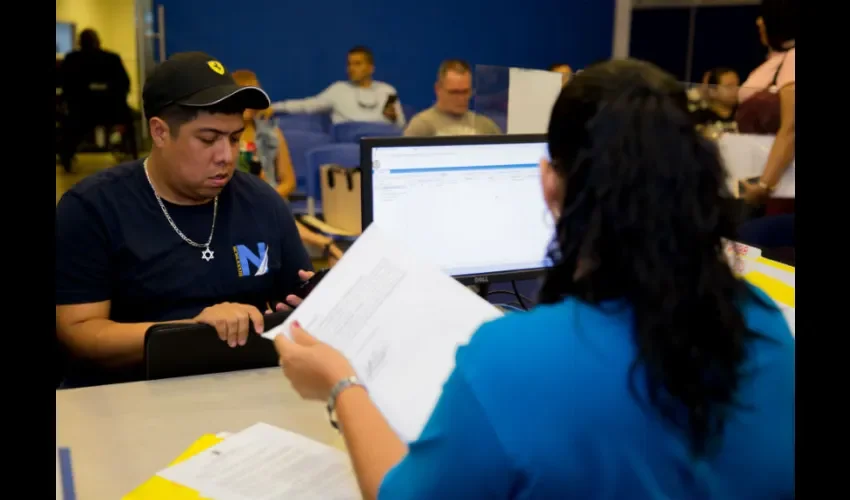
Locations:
(312, 367)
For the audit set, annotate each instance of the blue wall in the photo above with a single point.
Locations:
(298, 48)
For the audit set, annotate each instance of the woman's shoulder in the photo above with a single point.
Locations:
(541, 317)
(574, 328)
(566, 328)
(764, 316)
(782, 65)
(549, 316)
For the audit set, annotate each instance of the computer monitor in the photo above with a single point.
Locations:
(473, 204)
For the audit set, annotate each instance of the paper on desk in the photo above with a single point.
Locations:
(264, 462)
(399, 321)
(745, 156)
(157, 487)
(790, 314)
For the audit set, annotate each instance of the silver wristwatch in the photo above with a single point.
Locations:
(335, 392)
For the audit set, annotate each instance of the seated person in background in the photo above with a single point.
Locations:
(652, 370)
(94, 87)
(360, 99)
(564, 69)
(264, 141)
(450, 115)
(717, 99)
(181, 236)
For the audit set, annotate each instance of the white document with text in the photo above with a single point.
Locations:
(264, 462)
(398, 319)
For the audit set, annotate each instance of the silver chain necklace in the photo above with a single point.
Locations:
(206, 253)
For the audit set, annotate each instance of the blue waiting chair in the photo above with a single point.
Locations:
(354, 131)
(317, 122)
(300, 142)
(409, 112)
(500, 119)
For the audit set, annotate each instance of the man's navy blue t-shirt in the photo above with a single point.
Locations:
(114, 243)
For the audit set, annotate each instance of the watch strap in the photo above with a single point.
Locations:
(335, 392)
(764, 186)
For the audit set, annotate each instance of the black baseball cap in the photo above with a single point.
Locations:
(196, 79)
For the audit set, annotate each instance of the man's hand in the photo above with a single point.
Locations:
(293, 301)
(390, 114)
(334, 255)
(754, 194)
(232, 321)
(312, 367)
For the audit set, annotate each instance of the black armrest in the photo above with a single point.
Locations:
(180, 349)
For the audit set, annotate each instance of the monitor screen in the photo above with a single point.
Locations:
(476, 209)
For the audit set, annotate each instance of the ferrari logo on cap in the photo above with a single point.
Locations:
(216, 66)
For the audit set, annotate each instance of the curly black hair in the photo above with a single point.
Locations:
(644, 213)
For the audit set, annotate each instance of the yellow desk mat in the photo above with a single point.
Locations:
(774, 288)
(157, 488)
(777, 265)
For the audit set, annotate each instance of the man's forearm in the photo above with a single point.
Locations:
(372, 444)
(111, 343)
(308, 105)
(279, 107)
(285, 188)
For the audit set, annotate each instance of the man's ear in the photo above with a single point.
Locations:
(160, 131)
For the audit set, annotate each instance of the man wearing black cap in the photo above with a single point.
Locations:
(180, 236)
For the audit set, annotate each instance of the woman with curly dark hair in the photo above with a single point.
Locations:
(649, 371)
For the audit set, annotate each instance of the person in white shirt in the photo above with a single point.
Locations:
(360, 99)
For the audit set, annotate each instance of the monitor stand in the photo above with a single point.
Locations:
(480, 289)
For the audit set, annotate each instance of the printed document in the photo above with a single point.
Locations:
(398, 319)
(264, 462)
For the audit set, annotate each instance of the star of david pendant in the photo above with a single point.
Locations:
(207, 254)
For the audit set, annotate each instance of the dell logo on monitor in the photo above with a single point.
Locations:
(481, 279)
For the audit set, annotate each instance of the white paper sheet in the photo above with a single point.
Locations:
(399, 321)
(531, 95)
(790, 314)
(264, 462)
(745, 156)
